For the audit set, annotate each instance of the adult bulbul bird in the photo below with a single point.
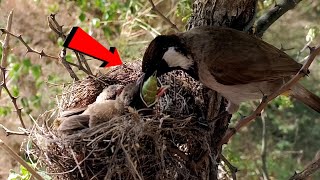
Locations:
(239, 66)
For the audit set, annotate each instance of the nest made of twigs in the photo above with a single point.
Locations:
(168, 144)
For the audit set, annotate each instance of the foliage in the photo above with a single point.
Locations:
(24, 174)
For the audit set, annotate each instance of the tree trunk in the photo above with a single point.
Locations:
(237, 14)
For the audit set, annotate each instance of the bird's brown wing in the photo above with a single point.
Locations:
(240, 58)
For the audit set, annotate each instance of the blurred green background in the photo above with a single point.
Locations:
(292, 130)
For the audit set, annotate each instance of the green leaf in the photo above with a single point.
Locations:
(60, 41)
(26, 62)
(69, 58)
(36, 71)
(15, 90)
(82, 17)
(5, 110)
(15, 67)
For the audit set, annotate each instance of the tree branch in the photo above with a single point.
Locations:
(266, 20)
(57, 28)
(173, 26)
(29, 49)
(62, 58)
(243, 122)
(43, 54)
(6, 47)
(233, 169)
(264, 148)
(13, 99)
(310, 169)
(9, 132)
(20, 160)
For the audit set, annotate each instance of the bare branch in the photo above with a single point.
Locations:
(62, 58)
(29, 49)
(173, 26)
(42, 53)
(310, 169)
(81, 60)
(20, 160)
(57, 28)
(6, 47)
(243, 122)
(13, 99)
(9, 132)
(264, 148)
(232, 168)
(54, 25)
(265, 21)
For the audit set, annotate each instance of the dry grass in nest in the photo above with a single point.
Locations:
(166, 145)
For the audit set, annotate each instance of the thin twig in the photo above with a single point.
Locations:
(54, 25)
(265, 21)
(232, 168)
(6, 47)
(310, 169)
(41, 53)
(243, 122)
(20, 160)
(81, 60)
(76, 161)
(29, 49)
(173, 26)
(264, 148)
(62, 58)
(57, 28)
(129, 160)
(9, 132)
(13, 99)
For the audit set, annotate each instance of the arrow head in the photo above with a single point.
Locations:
(114, 60)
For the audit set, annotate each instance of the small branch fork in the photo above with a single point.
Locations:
(13, 99)
(57, 28)
(154, 8)
(265, 21)
(10, 132)
(243, 122)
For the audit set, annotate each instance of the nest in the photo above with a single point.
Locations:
(168, 144)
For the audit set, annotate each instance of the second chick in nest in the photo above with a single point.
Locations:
(102, 110)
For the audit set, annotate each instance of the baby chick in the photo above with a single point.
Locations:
(100, 112)
(107, 104)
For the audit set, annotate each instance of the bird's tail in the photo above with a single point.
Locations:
(306, 97)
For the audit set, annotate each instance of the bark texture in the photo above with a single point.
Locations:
(239, 15)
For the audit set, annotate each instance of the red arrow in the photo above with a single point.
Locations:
(80, 41)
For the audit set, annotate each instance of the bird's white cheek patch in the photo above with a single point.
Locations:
(176, 59)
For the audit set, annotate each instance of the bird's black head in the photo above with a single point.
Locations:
(153, 59)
